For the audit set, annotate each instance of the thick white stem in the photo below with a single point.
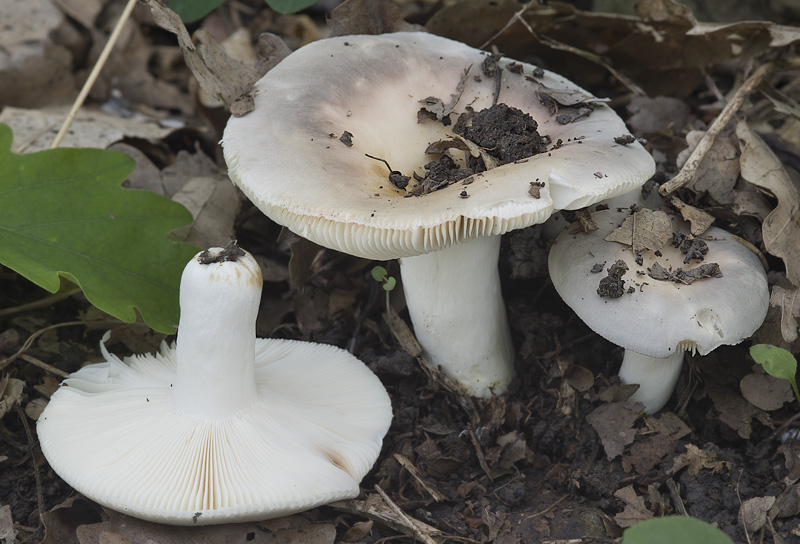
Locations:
(459, 317)
(656, 377)
(216, 335)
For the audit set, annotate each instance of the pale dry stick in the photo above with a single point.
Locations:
(591, 57)
(41, 303)
(44, 366)
(98, 66)
(707, 141)
(402, 515)
(11, 358)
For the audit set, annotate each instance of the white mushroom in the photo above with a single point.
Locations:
(657, 320)
(287, 158)
(223, 427)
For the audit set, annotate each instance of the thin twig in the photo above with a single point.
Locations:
(11, 358)
(707, 141)
(98, 66)
(44, 366)
(402, 515)
(36, 476)
(41, 303)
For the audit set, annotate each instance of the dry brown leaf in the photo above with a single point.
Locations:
(648, 452)
(753, 513)
(125, 529)
(766, 392)
(34, 130)
(10, 393)
(635, 510)
(217, 73)
(697, 460)
(733, 410)
(781, 228)
(718, 171)
(788, 300)
(8, 534)
(645, 229)
(655, 115)
(697, 218)
(214, 203)
(613, 423)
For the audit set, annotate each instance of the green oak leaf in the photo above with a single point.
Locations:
(194, 10)
(290, 6)
(63, 213)
(672, 530)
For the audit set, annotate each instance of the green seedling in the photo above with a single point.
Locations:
(388, 282)
(194, 10)
(671, 529)
(777, 362)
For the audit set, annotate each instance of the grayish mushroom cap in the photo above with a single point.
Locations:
(660, 317)
(287, 157)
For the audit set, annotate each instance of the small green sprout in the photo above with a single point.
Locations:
(777, 362)
(388, 282)
(670, 529)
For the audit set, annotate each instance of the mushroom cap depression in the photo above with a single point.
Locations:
(661, 316)
(112, 433)
(287, 156)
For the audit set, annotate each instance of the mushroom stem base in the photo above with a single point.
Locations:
(656, 377)
(459, 317)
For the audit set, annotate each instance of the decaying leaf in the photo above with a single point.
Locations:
(613, 423)
(645, 229)
(289, 530)
(765, 391)
(34, 129)
(658, 444)
(217, 73)
(753, 513)
(635, 509)
(697, 218)
(436, 106)
(697, 460)
(10, 393)
(788, 300)
(781, 228)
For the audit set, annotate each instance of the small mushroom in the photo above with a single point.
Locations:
(660, 314)
(374, 87)
(221, 427)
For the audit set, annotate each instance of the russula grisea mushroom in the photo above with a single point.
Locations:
(222, 427)
(417, 147)
(655, 311)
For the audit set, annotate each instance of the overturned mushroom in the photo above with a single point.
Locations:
(672, 301)
(223, 426)
(399, 94)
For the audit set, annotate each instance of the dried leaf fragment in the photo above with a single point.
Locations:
(698, 219)
(781, 228)
(788, 300)
(645, 229)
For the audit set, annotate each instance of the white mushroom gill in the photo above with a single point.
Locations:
(224, 427)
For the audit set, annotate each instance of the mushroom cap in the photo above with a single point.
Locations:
(661, 316)
(287, 158)
(112, 433)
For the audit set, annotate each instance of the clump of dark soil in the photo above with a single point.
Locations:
(506, 133)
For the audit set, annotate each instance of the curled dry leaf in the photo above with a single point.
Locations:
(635, 509)
(698, 219)
(781, 228)
(765, 391)
(788, 300)
(645, 229)
(218, 74)
(753, 513)
(613, 423)
(10, 393)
